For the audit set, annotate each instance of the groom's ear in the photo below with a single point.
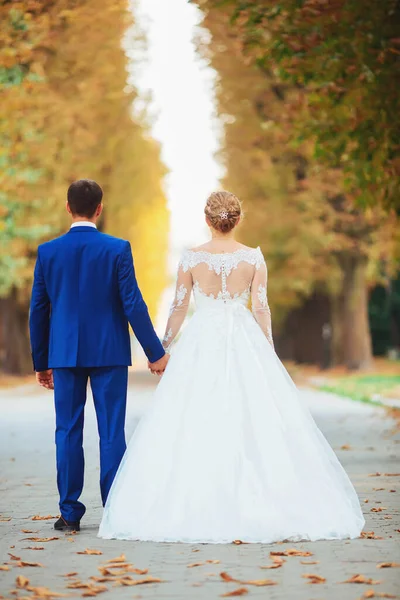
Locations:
(67, 206)
(99, 210)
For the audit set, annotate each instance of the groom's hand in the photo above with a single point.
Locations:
(160, 365)
(45, 379)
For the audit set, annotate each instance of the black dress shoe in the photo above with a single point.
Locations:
(63, 525)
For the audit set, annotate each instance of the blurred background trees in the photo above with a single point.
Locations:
(66, 113)
(307, 93)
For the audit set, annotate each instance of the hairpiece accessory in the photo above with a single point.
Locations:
(224, 215)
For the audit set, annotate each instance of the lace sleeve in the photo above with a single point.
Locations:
(179, 306)
(259, 301)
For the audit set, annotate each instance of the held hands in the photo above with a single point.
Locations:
(45, 379)
(158, 367)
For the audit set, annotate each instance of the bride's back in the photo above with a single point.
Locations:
(222, 269)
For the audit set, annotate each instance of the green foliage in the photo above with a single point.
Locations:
(66, 114)
(343, 57)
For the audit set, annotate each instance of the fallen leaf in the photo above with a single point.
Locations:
(195, 550)
(276, 564)
(392, 490)
(386, 565)
(13, 557)
(4, 519)
(370, 535)
(213, 562)
(378, 508)
(374, 474)
(366, 500)
(237, 542)
(291, 552)
(91, 552)
(33, 548)
(372, 594)
(345, 447)
(226, 576)
(72, 574)
(238, 592)
(314, 578)
(24, 563)
(391, 474)
(43, 592)
(361, 579)
(27, 531)
(38, 539)
(378, 489)
(21, 582)
(141, 581)
(4, 568)
(309, 562)
(199, 564)
(118, 559)
(257, 582)
(46, 518)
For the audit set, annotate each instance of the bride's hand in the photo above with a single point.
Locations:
(158, 367)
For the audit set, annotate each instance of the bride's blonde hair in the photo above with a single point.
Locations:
(223, 210)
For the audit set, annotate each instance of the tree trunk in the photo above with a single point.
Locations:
(15, 355)
(351, 334)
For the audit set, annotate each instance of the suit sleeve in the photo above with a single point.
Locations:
(135, 308)
(39, 320)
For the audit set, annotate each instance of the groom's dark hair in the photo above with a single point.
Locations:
(84, 196)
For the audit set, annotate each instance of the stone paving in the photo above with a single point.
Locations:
(362, 436)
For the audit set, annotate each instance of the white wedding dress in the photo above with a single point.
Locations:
(227, 451)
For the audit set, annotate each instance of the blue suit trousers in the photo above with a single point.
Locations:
(109, 387)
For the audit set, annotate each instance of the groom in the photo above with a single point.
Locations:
(84, 295)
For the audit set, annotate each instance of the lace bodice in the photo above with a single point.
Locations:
(220, 278)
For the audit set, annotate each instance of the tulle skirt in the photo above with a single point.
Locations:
(228, 451)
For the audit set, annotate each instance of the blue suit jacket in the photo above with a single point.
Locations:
(84, 294)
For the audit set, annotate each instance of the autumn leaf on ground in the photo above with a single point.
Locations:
(91, 552)
(258, 582)
(38, 539)
(276, 564)
(374, 474)
(24, 563)
(361, 579)
(378, 489)
(213, 562)
(43, 592)
(72, 574)
(373, 594)
(4, 568)
(370, 535)
(27, 531)
(378, 508)
(195, 550)
(238, 592)
(291, 552)
(13, 557)
(33, 548)
(391, 474)
(345, 447)
(46, 518)
(5, 519)
(22, 582)
(386, 565)
(309, 562)
(314, 578)
(141, 581)
(198, 564)
(118, 559)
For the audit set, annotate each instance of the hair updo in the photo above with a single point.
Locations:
(223, 210)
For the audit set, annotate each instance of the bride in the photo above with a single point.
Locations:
(227, 450)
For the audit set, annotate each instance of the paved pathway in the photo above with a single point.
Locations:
(27, 488)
